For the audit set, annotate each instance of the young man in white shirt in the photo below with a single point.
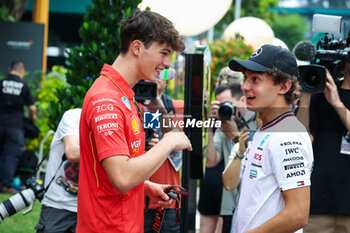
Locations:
(275, 185)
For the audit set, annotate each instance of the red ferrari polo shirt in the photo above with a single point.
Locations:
(109, 126)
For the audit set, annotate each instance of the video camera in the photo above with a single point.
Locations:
(148, 91)
(22, 199)
(329, 53)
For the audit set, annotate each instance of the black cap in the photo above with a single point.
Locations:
(268, 57)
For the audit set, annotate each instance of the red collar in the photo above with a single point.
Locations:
(117, 79)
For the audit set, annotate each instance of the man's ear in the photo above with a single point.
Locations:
(285, 87)
(136, 47)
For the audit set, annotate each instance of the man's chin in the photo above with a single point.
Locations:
(150, 79)
(254, 109)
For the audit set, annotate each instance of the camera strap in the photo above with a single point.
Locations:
(64, 158)
(175, 192)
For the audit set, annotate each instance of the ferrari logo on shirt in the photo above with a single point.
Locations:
(135, 125)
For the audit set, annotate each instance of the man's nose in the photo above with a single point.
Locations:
(245, 86)
(167, 62)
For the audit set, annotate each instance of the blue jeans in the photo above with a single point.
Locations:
(11, 150)
(169, 224)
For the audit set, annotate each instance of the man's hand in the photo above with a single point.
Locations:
(243, 138)
(156, 191)
(331, 92)
(178, 140)
(156, 104)
(214, 109)
(229, 128)
(154, 140)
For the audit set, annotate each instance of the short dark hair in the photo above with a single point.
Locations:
(149, 27)
(279, 77)
(235, 88)
(17, 65)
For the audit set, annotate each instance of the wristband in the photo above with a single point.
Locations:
(238, 158)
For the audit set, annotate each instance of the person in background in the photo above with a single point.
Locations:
(14, 94)
(211, 185)
(169, 172)
(219, 147)
(228, 76)
(59, 205)
(114, 166)
(326, 115)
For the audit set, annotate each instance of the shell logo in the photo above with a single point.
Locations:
(135, 125)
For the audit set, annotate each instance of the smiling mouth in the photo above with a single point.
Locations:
(250, 97)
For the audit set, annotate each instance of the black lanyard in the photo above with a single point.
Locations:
(174, 192)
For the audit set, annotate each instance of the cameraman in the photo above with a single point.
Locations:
(328, 118)
(221, 142)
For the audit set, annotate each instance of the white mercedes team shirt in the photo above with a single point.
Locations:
(279, 158)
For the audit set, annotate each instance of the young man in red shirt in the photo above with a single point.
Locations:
(113, 164)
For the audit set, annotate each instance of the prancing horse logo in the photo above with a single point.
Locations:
(256, 52)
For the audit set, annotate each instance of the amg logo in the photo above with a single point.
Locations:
(292, 150)
(297, 173)
(293, 159)
(293, 166)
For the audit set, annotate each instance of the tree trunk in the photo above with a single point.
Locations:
(16, 7)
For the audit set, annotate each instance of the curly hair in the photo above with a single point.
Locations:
(280, 77)
(149, 27)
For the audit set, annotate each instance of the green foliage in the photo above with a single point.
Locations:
(222, 51)
(45, 97)
(19, 223)
(290, 28)
(100, 39)
(255, 8)
(100, 44)
(260, 9)
(5, 14)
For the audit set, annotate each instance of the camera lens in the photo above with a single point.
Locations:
(312, 78)
(226, 110)
(16, 203)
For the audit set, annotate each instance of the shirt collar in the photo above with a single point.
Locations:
(14, 77)
(124, 87)
(276, 120)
